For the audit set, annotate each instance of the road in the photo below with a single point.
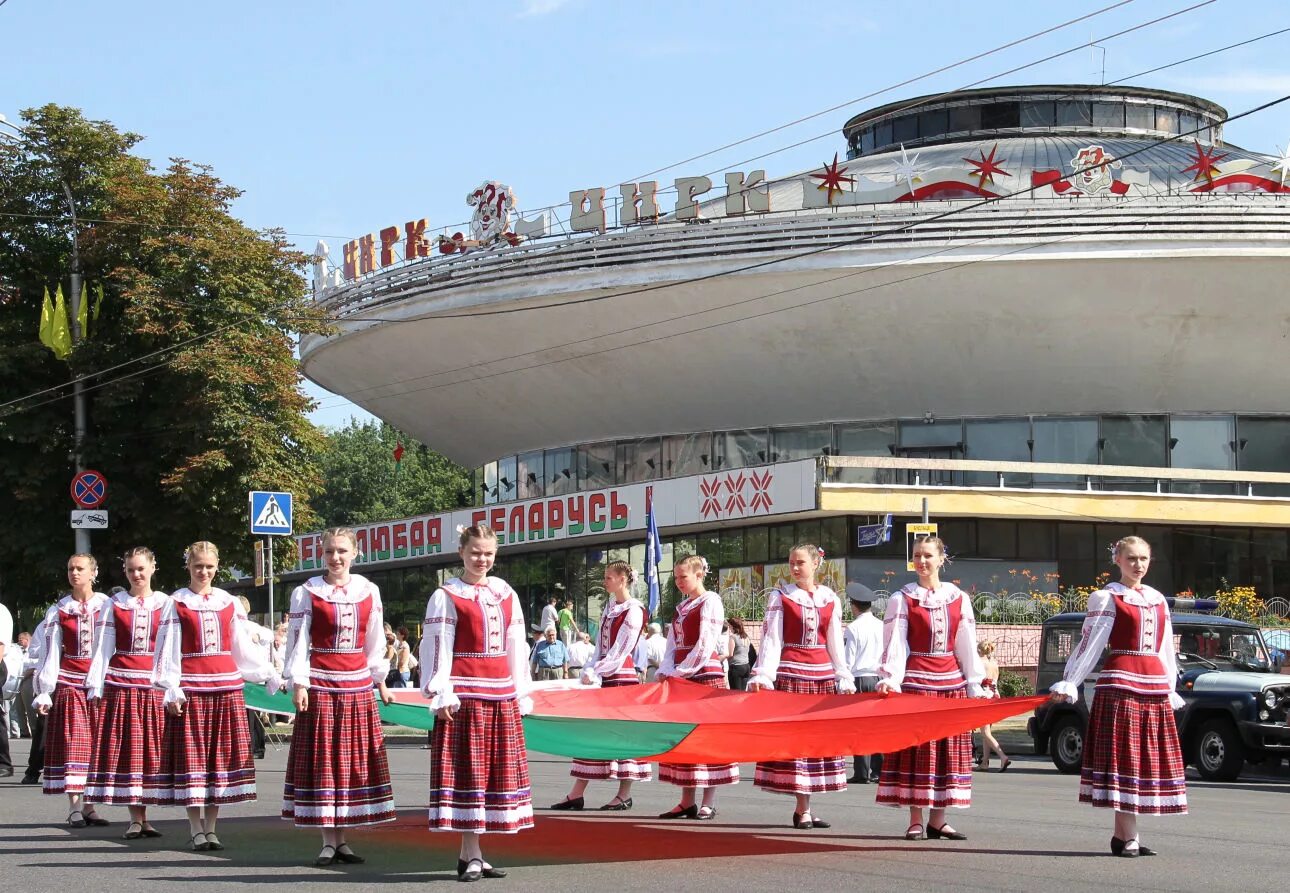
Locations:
(1026, 832)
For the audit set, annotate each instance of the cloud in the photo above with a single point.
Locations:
(1241, 82)
(532, 8)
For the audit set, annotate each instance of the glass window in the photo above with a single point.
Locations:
(996, 539)
(756, 544)
(905, 129)
(782, 540)
(735, 449)
(1037, 541)
(1142, 117)
(833, 536)
(882, 134)
(561, 471)
(685, 454)
(507, 479)
(489, 489)
(1187, 123)
(1072, 441)
(1203, 442)
(1166, 119)
(866, 141)
(732, 548)
(681, 547)
(933, 122)
(965, 117)
(806, 442)
(1264, 445)
(998, 115)
(1134, 440)
(1074, 113)
(805, 532)
(865, 439)
(638, 460)
(596, 466)
(532, 475)
(1006, 440)
(1038, 114)
(938, 433)
(1108, 114)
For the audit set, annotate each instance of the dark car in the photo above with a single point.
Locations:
(1236, 700)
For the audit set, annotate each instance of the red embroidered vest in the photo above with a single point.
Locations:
(479, 665)
(1136, 638)
(337, 644)
(805, 653)
(135, 627)
(931, 665)
(206, 642)
(610, 629)
(686, 626)
(77, 637)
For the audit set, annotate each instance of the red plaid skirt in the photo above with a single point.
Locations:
(479, 771)
(338, 775)
(701, 775)
(70, 733)
(206, 752)
(937, 774)
(1132, 761)
(813, 775)
(612, 770)
(127, 757)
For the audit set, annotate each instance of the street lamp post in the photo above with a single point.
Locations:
(78, 388)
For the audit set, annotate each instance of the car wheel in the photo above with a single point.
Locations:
(1067, 744)
(1219, 754)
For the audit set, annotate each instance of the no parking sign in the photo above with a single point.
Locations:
(89, 489)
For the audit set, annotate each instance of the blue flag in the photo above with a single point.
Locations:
(653, 551)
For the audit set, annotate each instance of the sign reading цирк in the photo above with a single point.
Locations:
(727, 495)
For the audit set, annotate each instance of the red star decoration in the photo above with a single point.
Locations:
(1205, 163)
(987, 167)
(832, 178)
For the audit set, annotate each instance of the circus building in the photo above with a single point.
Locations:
(1053, 314)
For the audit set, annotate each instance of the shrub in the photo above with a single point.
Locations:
(1014, 685)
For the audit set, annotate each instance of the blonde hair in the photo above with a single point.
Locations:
(201, 547)
(623, 569)
(809, 549)
(697, 562)
(985, 649)
(94, 562)
(1121, 544)
(335, 533)
(142, 551)
(932, 541)
(477, 532)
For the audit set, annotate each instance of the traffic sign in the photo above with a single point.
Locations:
(89, 519)
(914, 533)
(270, 513)
(89, 489)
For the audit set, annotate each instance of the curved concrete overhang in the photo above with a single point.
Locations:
(1042, 307)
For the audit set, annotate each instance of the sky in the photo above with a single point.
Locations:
(337, 119)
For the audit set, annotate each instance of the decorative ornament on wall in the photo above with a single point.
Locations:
(1205, 164)
(490, 225)
(906, 169)
(832, 178)
(986, 167)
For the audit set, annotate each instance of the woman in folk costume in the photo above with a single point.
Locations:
(204, 653)
(929, 648)
(612, 664)
(72, 726)
(338, 775)
(127, 755)
(802, 652)
(475, 671)
(1132, 760)
(692, 653)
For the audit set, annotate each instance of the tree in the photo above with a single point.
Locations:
(361, 483)
(192, 386)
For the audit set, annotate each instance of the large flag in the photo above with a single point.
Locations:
(60, 335)
(47, 321)
(653, 551)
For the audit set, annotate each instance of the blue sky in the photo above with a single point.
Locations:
(339, 118)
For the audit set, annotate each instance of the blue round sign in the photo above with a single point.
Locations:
(89, 489)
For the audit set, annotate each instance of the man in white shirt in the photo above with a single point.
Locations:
(579, 653)
(26, 695)
(6, 644)
(862, 642)
(550, 616)
(656, 643)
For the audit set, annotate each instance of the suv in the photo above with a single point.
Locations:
(1236, 700)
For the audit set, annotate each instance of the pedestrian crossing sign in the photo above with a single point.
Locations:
(270, 513)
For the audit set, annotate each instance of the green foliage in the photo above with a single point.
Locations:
(361, 484)
(1014, 685)
(183, 435)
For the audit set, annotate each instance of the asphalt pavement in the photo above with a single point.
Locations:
(1025, 832)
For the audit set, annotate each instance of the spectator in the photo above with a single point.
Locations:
(19, 707)
(640, 656)
(403, 654)
(279, 650)
(738, 656)
(656, 642)
(550, 657)
(6, 647)
(989, 744)
(569, 631)
(550, 616)
(26, 699)
(862, 641)
(579, 653)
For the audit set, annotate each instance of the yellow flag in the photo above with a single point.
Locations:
(60, 333)
(98, 301)
(47, 321)
(83, 312)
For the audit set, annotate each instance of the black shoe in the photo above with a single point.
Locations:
(31, 778)
(489, 872)
(6, 773)
(817, 823)
(856, 779)
(259, 754)
(473, 871)
(576, 803)
(348, 856)
(1145, 851)
(325, 858)
(617, 805)
(681, 812)
(944, 833)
